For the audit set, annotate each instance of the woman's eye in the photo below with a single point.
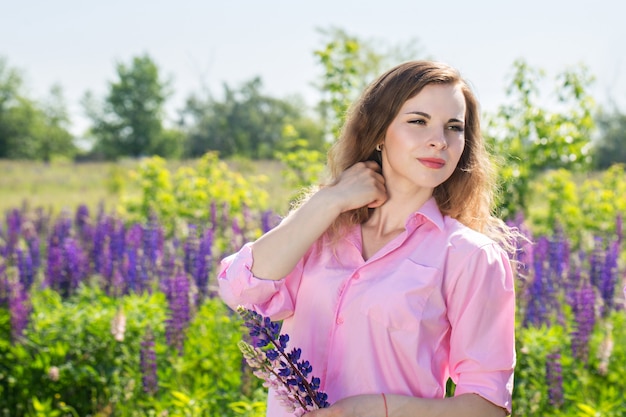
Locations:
(456, 128)
(417, 121)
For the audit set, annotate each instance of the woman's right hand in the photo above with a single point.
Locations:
(358, 186)
(278, 251)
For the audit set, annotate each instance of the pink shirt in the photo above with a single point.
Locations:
(436, 301)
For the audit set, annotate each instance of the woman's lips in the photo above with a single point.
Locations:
(434, 163)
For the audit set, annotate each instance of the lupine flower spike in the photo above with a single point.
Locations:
(281, 370)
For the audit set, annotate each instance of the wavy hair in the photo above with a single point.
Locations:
(468, 195)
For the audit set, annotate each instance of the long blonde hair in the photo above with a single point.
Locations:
(468, 195)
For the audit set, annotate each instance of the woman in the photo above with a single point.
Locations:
(392, 277)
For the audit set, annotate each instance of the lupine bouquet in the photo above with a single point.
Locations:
(283, 371)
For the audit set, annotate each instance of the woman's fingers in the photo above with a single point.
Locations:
(362, 185)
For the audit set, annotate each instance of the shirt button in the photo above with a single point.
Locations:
(356, 275)
(339, 320)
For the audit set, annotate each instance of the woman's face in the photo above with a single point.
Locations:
(425, 140)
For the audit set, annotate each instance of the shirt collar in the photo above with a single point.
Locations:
(428, 212)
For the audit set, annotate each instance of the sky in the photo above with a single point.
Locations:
(202, 44)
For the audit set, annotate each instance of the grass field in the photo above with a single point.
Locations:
(66, 185)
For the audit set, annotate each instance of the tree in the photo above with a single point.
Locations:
(530, 138)
(246, 123)
(28, 129)
(130, 121)
(55, 136)
(610, 147)
(349, 64)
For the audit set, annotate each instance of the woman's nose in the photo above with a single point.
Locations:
(438, 140)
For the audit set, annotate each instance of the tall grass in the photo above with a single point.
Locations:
(65, 185)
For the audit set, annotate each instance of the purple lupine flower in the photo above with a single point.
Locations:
(237, 239)
(153, 242)
(269, 220)
(19, 309)
(168, 264)
(130, 269)
(3, 248)
(554, 379)
(559, 265)
(131, 262)
(14, 230)
(34, 249)
(56, 274)
(101, 243)
(608, 280)
(538, 296)
(81, 219)
(25, 268)
(61, 229)
(74, 263)
(584, 321)
(117, 286)
(143, 277)
(596, 262)
(106, 263)
(54, 267)
(522, 252)
(84, 229)
(190, 250)
(4, 284)
(148, 362)
(98, 245)
(574, 280)
(134, 236)
(204, 262)
(117, 243)
(558, 256)
(284, 371)
(177, 293)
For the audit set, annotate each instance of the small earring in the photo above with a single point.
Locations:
(378, 148)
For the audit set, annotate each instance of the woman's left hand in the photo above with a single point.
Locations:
(358, 406)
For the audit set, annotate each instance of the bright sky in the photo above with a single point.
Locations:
(76, 43)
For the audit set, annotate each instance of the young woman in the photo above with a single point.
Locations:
(392, 277)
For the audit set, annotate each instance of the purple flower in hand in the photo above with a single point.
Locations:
(282, 370)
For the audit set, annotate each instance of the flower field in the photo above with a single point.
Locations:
(105, 314)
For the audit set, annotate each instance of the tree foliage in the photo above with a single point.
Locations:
(349, 64)
(304, 166)
(130, 120)
(31, 129)
(609, 148)
(531, 137)
(246, 122)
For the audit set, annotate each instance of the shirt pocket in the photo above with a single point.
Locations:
(398, 300)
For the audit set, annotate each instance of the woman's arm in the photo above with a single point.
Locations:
(277, 252)
(374, 405)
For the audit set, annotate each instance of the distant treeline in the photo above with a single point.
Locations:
(129, 121)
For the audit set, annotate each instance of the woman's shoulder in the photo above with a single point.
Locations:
(464, 238)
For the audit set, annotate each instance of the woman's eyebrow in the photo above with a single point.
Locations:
(420, 113)
(426, 115)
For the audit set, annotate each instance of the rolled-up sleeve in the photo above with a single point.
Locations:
(481, 311)
(238, 286)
